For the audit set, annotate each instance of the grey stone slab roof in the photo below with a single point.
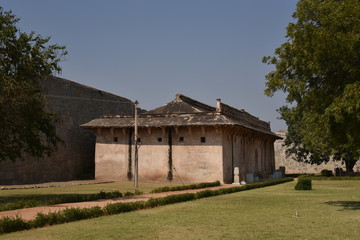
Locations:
(184, 111)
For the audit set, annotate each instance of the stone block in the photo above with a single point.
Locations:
(249, 177)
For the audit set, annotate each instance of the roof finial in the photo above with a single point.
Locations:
(218, 105)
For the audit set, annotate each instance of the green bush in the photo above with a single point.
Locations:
(178, 198)
(303, 184)
(39, 221)
(67, 215)
(9, 224)
(108, 195)
(186, 187)
(53, 218)
(204, 194)
(326, 173)
(127, 194)
(74, 214)
(155, 202)
(28, 203)
(116, 208)
(94, 212)
(20, 204)
(137, 192)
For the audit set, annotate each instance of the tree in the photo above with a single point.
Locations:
(25, 125)
(319, 69)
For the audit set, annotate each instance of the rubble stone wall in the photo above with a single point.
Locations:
(294, 167)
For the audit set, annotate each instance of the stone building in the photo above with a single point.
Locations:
(74, 104)
(294, 167)
(184, 140)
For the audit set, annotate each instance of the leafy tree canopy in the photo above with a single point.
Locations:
(319, 69)
(25, 125)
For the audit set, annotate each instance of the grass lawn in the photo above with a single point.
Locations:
(7, 196)
(330, 211)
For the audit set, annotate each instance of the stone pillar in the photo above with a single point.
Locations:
(236, 176)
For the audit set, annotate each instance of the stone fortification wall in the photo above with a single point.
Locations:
(294, 167)
(74, 104)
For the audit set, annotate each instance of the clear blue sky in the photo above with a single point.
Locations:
(150, 50)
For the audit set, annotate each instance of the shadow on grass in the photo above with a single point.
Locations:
(41, 197)
(347, 205)
(27, 201)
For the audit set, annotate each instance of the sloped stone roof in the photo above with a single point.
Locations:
(182, 104)
(184, 111)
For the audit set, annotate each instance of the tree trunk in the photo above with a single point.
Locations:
(350, 163)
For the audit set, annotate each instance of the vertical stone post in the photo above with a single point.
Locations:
(236, 175)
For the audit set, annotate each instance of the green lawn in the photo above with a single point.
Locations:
(330, 211)
(7, 196)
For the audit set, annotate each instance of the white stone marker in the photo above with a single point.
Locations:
(236, 175)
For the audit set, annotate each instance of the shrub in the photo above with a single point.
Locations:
(9, 224)
(155, 202)
(115, 208)
(186, 187)
(326, 173)
(53, 218)
(28, 203)
(126, 194)
(204, 194)
(94, 212)
(178, 198)
(336, 178)
(40, 220)
(20, 204)
(303, 184)
(137, 192)
(73, 214)
(108, 195)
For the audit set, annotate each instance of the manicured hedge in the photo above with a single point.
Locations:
(28, 203)
(186, 187)
(339, 178)
(8, 224)
(303, 184)
(326, 173)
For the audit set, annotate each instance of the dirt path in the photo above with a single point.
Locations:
(30, 213)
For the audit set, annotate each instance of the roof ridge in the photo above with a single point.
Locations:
(194, 102)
